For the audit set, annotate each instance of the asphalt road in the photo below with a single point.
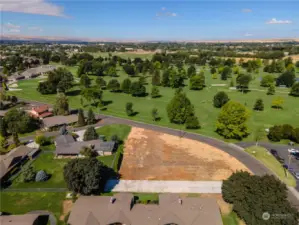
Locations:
(282, 151)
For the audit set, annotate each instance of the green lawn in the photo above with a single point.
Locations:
(48, 147)
(230, 219)
(202, 100)
(52, 166)
(270, 161)
(23, 202)
(122, 131)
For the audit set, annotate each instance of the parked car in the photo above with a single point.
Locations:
(276, 155)
(293, 151)
(296, 174)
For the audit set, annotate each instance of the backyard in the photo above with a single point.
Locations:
(202, 101)
(24, 202)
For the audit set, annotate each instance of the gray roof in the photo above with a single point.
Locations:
(59, 120)
(26, 219)
(9, 160)
(64, 147)
(191, 211)
(64, 139)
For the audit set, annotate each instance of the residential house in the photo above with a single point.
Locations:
(12, 159)
(67, 146)
(122, 209)
(25, 219)
(41, 111)
(58, 121)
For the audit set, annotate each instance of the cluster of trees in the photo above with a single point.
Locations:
(285, 131)
(252, 195)
(88, 121)
(58, 80)
(30, 175)
(17, 122)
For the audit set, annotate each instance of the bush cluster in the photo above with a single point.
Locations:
(285, 131)
(43, 140)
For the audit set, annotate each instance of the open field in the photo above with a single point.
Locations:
(269, 161)
(202, 101)
(150, 155)
(23, 202)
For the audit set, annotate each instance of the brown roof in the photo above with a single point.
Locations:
(26, 219)
(45, 114)
(41, 109)
(188, 211)
(60, 120)
(9, 160)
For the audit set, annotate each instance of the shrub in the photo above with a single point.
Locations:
(43, 140)
(29, 174)
(295, 135)
(287, 131)
(115, 138)
(192, 122)
(41, 176)
(129, 109)
(11, 147)
(295, 90)
(275, 133)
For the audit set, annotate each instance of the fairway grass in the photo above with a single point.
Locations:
(202, 101)
(24, 202)
(230, 219)
(271, 163)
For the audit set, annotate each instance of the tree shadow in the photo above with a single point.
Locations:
(105, 103)
(73, 93)
(158, 119)
(157, 96)
(134, 114)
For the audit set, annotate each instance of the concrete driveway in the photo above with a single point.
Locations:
(156, 186)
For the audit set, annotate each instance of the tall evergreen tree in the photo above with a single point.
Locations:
(3, 127)
(166, 78)
(90, 134)
(81, 119)
(90, 117)
(156, 79)
(126, 86)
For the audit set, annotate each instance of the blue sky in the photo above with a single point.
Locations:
(151, 20)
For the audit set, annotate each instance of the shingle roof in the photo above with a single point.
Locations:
(10, 159)
(59, 120)
(189, 211)
(26, 219)
(41, 108)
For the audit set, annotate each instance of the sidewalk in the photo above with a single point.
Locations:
(153, 186)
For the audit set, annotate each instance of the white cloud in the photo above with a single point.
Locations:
(248, 35)
(14, 30)
(246, 10)
(35, 28)
(275, 21)
(32, 7)
(164, 13)
(11, 26)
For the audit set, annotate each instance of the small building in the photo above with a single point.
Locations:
(41, 111)
(11, 160)
(58, 121)
(122, 209)
(67, 146)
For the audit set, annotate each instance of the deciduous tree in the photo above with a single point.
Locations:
(231, 122)
(126, 86)
(220, 99)
(259, 105)
(61, 106)
(295, 90)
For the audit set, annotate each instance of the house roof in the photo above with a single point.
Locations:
(60, 120)
(26, 219)
(188, 211)
(65, 145)
(45, 114)
(10, 159)
(41, 108)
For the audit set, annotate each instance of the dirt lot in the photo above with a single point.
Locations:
(149, 155)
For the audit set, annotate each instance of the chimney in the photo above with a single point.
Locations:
(180, 201)
(112, 200)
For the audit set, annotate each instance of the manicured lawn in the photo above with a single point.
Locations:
(23, 202)
(54, 167)
(270, 161)
(230, 219)
(48, 147)
(122, 131)
(202, 101)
